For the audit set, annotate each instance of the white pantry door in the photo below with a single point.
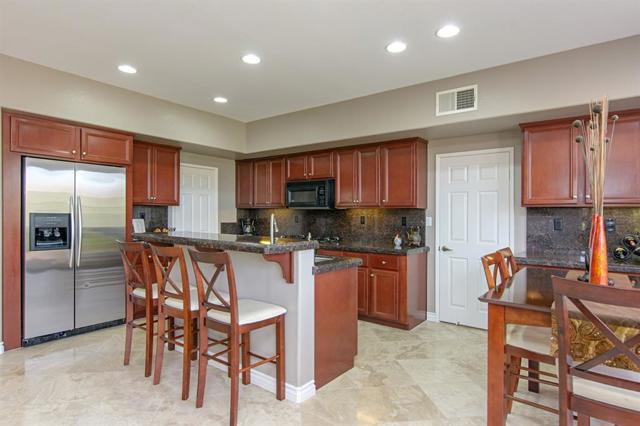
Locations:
(198, 209)
(475, 216)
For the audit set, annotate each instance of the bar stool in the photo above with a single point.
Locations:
(138, 284)
(237, 318)
(172, 298)
(523, 341)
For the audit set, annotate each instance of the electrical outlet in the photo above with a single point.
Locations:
(610, 224)
(141, 215)
(296, 219)
(557, 224)
(404, 221)
(429, 221)
(362, 220)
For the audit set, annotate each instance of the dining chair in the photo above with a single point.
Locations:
(236, 318)
(138, 285)
(177, 301)
(592, 389)
(523, 341)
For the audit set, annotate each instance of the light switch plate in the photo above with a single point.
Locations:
(429, 221)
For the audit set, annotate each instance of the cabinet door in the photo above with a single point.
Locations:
(106, 147)
(142, 173)
(38, 136)
(346, 178)
(244, 184)
(384, 294)
(368, 177)
(276, 182)
(398, 174)
(297, 167)
(363, 291)
(549, 165)
(261, 183)
(622, 180)
(320, 165)
(166, 180)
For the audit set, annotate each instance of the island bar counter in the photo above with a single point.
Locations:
(281, 273)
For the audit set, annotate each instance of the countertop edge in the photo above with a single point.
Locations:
(336, 264)
(565, 263)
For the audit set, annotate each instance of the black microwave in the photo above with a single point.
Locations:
(311, 194)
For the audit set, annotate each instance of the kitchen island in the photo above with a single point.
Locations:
(284, 272)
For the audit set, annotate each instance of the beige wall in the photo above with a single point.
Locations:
(471, 143)
(555, 81)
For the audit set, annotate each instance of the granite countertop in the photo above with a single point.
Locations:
(334, 263)
(373, 247)
(571, 259)
(252, 244)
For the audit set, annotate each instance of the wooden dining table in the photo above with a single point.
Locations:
(526, 299)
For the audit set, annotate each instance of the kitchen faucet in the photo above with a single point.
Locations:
(273, 228)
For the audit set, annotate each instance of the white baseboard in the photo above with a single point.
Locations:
(292, 393)
(432, 317)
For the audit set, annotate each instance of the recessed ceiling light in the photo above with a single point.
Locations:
(251, 59)
(396, 47)
(128, 69)
(448, 31)
(220, 99)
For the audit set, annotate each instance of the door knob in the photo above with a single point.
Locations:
(445, 248)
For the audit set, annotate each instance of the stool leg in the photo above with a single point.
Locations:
(129, 329)
(584, 420)
(194, 338)
(148, 347)
(172, 333)
(186, 357)
(234, 370)
(246, 358)
(159, 345)
(280, 376)
(203, 344)
(533, 386)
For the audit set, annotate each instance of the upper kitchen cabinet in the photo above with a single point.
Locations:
(244, 184)
(318, 165)
(550, 165)
(268, 183)
(38, 136)
(403, 174)
(106, 147)
(156, 174)
(553, 171)
(357, 172)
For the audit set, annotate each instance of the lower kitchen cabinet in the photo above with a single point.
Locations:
(392, 289)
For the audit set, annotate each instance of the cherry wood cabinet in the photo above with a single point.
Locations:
(156, 174)
(51, 138)
(106, 147)
(244, 184)
(403, 170)
(317, 165)
(392, 289)
(357, 177)
(268, 183)
(553, 171)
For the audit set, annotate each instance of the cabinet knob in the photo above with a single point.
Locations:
(588, 197)
(384, 262)
(73, 151)
(384, 201)
(84, 153)
(575, 197)
(372, 275)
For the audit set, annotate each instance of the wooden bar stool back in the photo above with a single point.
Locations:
(226, 313)
(176, 301)
(592, 389)
(139, 291)
(523, 341)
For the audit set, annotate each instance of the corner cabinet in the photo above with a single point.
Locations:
(260, 183)
(553, 171)
(156, 174)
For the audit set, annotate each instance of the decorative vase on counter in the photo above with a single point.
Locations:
(599, 267)
(397, 241)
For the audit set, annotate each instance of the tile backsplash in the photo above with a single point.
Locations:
(154, 216)
(350, 224)
(575, 224)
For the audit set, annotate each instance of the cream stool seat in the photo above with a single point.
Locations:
(624, 398)
(249, 311)
(141, 292)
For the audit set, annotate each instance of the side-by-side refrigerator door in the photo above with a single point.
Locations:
(100, 211)
(48, 286)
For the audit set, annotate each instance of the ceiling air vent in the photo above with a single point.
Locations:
(457, 100)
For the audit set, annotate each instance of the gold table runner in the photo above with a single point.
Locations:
(586, 340)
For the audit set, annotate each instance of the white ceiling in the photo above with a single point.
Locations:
(314, 52)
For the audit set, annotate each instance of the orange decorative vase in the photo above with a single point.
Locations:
(599, 272)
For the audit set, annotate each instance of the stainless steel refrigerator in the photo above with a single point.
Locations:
(72, 215)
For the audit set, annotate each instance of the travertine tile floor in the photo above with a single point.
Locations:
(433, 375)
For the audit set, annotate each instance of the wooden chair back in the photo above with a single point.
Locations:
(208, 295)
(578, 293)
(137, 271)
(165, 259)
(493, 264)
(509, 260)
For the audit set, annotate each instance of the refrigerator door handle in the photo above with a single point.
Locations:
(72, 209)
(79, 232)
